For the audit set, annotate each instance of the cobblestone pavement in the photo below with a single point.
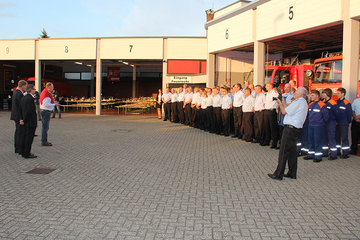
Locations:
(135, 177)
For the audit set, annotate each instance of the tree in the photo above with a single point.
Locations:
(44, 34)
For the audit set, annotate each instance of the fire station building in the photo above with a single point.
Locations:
(242, 39)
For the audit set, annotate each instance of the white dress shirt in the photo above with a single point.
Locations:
(249, 103)
(269, 102)
(239, 98)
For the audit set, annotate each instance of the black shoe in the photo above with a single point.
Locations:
(235, 136)
(35, 135)
(249, 141)
(273, 147)
(317, 160)
(164, 120)
(16, 151)
(325, 155)
(255, 141)
(226, 135)
(264, 144)
(289, 176)
(273, 176)
(307, 158)
(332, 158)
(277, 148)
(344, 156)
(30, 156)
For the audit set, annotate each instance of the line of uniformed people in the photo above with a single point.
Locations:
(255, 117)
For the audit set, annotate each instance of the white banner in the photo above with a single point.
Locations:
(179, 79)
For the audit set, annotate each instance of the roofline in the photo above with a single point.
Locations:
(251, 5)
(162, 37)
(246, 1)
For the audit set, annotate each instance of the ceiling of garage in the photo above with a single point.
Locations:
(320, 39)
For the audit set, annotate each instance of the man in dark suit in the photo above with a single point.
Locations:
(16, 115)
(28, 109)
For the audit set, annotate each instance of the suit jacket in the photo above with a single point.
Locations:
(16, 113)
(28, 109)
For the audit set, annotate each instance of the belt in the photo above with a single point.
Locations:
(259, 110)
(290, 126)
(273, 109)
(45, 110)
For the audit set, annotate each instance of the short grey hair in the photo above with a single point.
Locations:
(303, 91)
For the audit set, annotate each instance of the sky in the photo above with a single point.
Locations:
(105, 18)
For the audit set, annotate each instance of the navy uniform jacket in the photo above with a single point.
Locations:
(318, 113)
(345, 111)
(333, 108)
(29, 111)
(16, 113)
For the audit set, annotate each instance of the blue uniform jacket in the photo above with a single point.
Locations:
(344, 112)
(318, 113)
(333, 108)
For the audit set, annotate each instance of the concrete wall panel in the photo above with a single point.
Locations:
(142, 48)
(17, 49)
(273, 17)
(185, 48)
(67, 49)
(230, 33)
(355, 9)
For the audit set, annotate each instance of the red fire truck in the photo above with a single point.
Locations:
(283, 74)
(328, 73)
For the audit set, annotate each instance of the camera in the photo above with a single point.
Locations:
(279, 97)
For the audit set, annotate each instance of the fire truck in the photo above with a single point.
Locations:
(277, 73)
(328, 73)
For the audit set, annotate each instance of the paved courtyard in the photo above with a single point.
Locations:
(135, 177)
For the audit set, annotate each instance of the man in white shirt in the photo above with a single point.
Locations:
(271, 125)
(226, 105)
(187, 105)
(166, 98)
(355, 126)
(239, 98)
(248, 113)
(47, 104)
(259, 115)
(180, 104)
(174, 101)
(194, 110)
(217, 111)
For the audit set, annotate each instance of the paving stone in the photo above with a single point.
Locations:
(160, 180)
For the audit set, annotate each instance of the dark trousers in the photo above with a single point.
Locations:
(225, 117)
(19, 136)
(316, 141)
(342, 139)
(188, 114)
(248, 125)
(355, 133)
(195, 117)
(180, 110)
(28, 140)
(209, 118)
(167, 109)
(303, 141)
(202, 118)
(238, 120)
(174, 112)
(271, 127)
(259, 125)
(329, 139)
(288, 152)
(217, 120)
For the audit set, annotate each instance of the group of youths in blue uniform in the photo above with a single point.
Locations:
(325, 131)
